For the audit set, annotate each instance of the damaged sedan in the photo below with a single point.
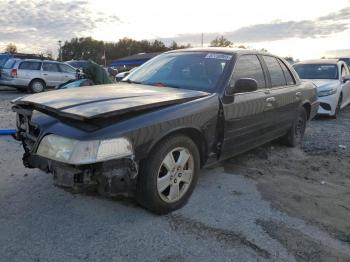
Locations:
(150, 135)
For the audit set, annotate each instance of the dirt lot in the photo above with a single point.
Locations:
(272, 203)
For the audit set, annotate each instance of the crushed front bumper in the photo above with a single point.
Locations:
(110, 178)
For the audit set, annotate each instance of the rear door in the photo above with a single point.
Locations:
(246, 116)
(345, 86)
(27, 71)
(285, 95)
(52, 74)
(68, 72)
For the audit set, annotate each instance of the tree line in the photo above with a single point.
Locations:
(84, 48)
(89, 48)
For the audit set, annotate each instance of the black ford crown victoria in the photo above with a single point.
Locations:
(150, 135)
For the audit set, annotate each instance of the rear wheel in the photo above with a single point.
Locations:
(295, 134)
(37, 86)
(169, 175)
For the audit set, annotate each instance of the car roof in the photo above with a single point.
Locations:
(228, 50)
(320, 61)
(40, 60)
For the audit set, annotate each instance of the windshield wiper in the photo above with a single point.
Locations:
(130, 81)
(160, 84)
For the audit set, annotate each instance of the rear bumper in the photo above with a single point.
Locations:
(111, 178)
(13, 82)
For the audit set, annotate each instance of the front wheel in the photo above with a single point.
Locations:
(169, 175)
(295, 134)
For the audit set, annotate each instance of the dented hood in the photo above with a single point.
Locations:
(106, 100)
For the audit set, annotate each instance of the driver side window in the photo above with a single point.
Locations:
(249, 66)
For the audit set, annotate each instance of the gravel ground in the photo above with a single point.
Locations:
(270, 204)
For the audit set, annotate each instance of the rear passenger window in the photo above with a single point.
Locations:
(29, 65)
(248, 66)
(287, 74)
(275, 70)
(50, 67)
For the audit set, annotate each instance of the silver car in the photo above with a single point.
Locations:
(35, 75)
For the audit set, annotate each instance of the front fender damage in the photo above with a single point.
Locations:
(111, 178)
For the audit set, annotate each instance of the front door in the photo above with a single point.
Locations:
(247, 117)
(51, 74)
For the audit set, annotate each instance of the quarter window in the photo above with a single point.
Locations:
(51, 67)
(30, 65)
(275, 70)
(288, 75)
(248, 66)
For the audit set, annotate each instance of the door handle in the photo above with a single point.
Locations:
(270, 99)
(45, 74)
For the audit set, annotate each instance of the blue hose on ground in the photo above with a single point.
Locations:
(7, 132)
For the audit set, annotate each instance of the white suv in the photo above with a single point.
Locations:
(35, 75)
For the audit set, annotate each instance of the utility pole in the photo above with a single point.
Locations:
(202, 39)
(60, 50)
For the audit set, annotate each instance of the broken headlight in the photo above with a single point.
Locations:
(327, 92)
(73, 151)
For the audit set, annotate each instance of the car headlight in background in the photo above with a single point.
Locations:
(327, 92)
(73, 151)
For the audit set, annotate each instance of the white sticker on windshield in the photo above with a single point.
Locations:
(218, 56)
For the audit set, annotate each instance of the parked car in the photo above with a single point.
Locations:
(35, 75)
(332, 78)
(150, 135)
(6, 56)
(121, 75)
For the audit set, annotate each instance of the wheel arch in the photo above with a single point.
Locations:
(39, 79)
(307, 106)
(193, 133)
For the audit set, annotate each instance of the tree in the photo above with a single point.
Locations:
(89, 48)
(11, 48)
(289, 59)
(221, 42)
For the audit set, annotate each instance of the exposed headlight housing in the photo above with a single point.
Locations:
(76, 152)
(327, 92)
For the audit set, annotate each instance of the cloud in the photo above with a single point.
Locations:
(343, 14)
(321, 27)
(40, 24)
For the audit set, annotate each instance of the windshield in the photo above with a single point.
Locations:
(317, 71)
(189, 70)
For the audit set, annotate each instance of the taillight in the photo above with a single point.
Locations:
(14, 72)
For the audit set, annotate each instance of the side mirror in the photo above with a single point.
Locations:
(346, 79)
(243, 85)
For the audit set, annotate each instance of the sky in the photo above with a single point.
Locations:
(303, 29)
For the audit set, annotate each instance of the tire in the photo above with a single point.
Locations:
(337, 110)
(164, 184)
(37, 86)
(295, 134)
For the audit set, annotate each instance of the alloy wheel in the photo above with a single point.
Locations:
(175, 175)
